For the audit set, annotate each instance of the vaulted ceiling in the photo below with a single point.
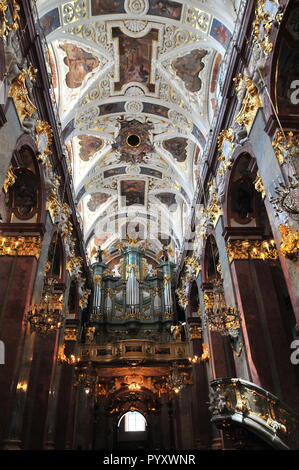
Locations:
(136, 83)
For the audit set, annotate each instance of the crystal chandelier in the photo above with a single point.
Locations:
(47, 317)
(219, 317)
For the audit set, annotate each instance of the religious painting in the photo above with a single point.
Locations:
(114, 172)
(188, 67)
(24, 194)
(111, 108)
(132, 192)
(133, 141)
(89, 145)
(50, 21)
(150, 172)
(168, 199)
(242, 200)
(135, 57)
(80, 64)
(107, 7)
(158, 109)
(53, 68)
(96, 200)
(215, 73)
(177, 147)
(220, 33)
(292, 24)
(214, 80)
(165, 8)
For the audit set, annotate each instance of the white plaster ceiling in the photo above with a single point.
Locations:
(147, 65)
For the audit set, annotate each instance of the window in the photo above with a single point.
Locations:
(134, 422)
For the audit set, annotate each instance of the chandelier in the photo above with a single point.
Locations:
(86, 378)
(63, 359)
(175, 382)
(47, 317)
(287, 198)
(219, 317)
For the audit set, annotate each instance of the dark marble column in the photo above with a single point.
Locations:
(17, 276)
(265, 332)
(65, 401)
(83, 435)
(43, 361)
(200, 389)
(164, 423)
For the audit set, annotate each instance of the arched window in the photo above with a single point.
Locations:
(134, 422)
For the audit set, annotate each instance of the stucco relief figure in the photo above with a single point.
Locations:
(89, 145)
(79, 62)
(188, 67)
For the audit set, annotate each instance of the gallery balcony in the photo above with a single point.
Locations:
(136, 350)
(236, 403)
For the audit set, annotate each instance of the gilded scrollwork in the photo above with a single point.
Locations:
(286, 146)
(6, 24)
(10, 178)
(44, 137)
(251, 249)
(263, 24)
(289, 246)
(20, 94)
(236, 396)
(20, 246)
(250, 104)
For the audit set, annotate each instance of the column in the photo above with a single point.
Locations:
(17, 275)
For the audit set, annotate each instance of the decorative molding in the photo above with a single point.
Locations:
(20, 246)
(251, 249)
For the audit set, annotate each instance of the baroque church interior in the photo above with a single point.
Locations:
(149, 236)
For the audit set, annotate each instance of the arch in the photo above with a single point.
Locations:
(26, 196)
(134, 421)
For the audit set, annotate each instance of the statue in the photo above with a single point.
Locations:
(100, 255)
(176, 331)
(164, 256)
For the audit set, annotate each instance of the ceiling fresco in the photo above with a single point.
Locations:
(135, 82)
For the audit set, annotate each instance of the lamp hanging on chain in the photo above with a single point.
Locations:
(220, 317)
(47, 316)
